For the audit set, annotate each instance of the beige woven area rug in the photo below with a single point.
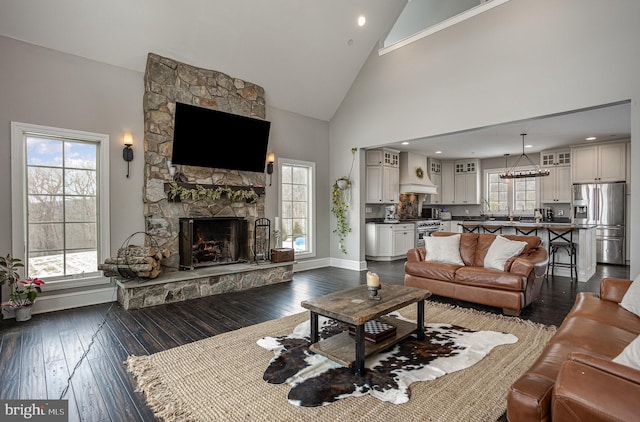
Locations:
(220, 378)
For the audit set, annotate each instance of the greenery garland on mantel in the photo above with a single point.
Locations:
(177, 192)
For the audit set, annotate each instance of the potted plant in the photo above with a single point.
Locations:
(23, 296)
(23, 293)
(340, 205)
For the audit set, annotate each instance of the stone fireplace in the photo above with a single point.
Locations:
(167, 82)
(213, 241)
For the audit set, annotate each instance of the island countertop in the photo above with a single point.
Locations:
(542, 224)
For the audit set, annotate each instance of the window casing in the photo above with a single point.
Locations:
(509, 195)
(296, 208)
(59, 204)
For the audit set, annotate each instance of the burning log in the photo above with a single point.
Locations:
(135, 262)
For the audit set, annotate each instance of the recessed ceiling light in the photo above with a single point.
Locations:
(361, 20)
(405, 143)
(438, 152)
(528, 146)
(590, 138)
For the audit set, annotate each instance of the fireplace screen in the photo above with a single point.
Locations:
(212, 241)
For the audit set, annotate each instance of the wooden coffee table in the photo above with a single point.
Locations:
(353, 306)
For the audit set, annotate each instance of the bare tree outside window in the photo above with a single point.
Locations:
(62, 225)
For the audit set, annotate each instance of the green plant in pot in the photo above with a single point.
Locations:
(340, 205)
(23, 293)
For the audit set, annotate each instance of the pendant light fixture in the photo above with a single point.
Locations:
(511, 173)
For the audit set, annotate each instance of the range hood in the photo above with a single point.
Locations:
(412, 167)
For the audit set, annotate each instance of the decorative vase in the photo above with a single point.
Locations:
(342, 183)
(23, 313)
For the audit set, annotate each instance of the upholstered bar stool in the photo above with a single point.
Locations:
(487, 228)
(561, 239)
(470, 228)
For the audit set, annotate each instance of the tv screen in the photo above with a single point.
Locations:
(210, 138)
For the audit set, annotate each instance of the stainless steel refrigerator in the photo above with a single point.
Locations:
(603, 204)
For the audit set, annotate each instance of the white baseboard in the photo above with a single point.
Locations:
(63, 299)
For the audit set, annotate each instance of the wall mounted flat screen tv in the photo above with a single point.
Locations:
(210, 138)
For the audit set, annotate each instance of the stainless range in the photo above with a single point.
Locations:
(425, 228)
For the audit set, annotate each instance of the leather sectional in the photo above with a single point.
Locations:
(575, 379)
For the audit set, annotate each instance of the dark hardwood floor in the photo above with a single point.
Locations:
(37, 357)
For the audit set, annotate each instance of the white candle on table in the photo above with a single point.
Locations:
(372, 279)
(277, 225)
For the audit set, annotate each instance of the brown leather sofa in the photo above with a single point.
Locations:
(512, 289)
(575, 379)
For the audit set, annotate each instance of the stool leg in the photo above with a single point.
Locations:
(575, 261)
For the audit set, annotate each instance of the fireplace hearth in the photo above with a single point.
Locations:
(208, 241)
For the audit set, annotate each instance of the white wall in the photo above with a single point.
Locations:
(520, 60)
(298, 137)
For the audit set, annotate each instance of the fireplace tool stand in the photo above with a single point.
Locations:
(262, 240)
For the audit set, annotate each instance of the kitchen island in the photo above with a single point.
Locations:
(584, 236)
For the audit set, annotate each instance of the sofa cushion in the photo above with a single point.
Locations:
(630, 356)
(443, 249)
(501, 250)
(588, 305)
(631, 299)
(489, 278)
(468, 244)
(434, 271)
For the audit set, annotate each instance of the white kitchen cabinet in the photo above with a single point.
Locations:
(448, 186)
(599, 163)
(382, 176)
(435, 174)
(556, 188)
(404, 238)
(467, 182)
(555, 158)
(387, 242)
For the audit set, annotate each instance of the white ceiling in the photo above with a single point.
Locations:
(304, 53)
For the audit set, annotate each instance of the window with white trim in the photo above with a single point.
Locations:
(60, 213)
(297, 224)
(505, 195)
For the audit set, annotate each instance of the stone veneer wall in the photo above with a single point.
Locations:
(167, 82)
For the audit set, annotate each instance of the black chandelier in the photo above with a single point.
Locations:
(511, 173)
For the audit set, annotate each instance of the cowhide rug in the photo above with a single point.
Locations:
(318, 381)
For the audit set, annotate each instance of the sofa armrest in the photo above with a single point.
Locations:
(416, 254)
(613, 289)
(535, 261)
(595, 388)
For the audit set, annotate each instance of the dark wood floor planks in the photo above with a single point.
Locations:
(37, 357)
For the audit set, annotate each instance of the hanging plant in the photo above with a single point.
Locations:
(199, 192)
(340, 205)
(340, 208)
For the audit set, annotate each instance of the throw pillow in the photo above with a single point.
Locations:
(501, 250)
(443, 249)
(631, 299)
(630, 356)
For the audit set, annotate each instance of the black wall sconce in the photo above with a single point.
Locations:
(127, 153)
(271, 158)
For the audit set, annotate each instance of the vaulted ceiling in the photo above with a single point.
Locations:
(304, 53)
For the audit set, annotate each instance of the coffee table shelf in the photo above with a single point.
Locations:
(341, 347)
(353, 307)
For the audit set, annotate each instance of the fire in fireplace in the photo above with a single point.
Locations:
(209, 241)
